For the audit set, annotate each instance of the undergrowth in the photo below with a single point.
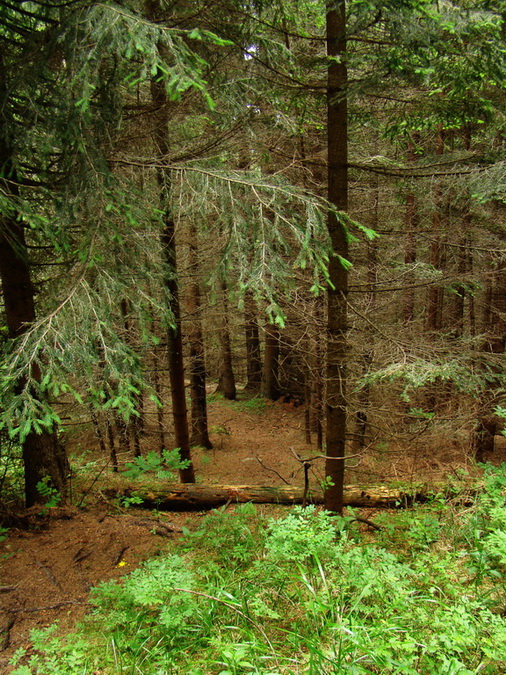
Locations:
(308, 594)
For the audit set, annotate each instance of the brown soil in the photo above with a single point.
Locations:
(46, 572)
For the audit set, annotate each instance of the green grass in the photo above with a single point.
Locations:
(308, 594)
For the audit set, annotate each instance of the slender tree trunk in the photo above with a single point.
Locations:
(337, 326)
(317, 368)
(434, 295)
(457, 311)
(200, 433)
(169, 257)
(411, 224)
(226, 381)
(270, 372)
(157, 386)
(43, 455)
(112, 444)
(252, 336)
(364, 394)
(135, 425)
(495, 332)
(98, 431)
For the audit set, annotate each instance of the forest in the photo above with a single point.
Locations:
(253, 251)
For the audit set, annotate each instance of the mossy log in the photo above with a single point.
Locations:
(187, 497)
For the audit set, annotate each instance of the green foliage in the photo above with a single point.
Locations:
(255, 405)
(50, 494)
(295, 598)
(302, 534)
(223, 537)
(162, 466)
(418, 373)
(11, 470)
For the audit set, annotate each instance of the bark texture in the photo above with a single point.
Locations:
(270, 372)
(337, 321)
(188, 497)
(199, 427)
(43, 455)
(169, 257)
(226, 381)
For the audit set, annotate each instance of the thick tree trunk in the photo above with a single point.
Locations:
(337, 321)
(226, 381)
(169, 257)
(43, 455)
(270, 372)
(252, 338)
(200, 433)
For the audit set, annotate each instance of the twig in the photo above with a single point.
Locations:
(368, 522)
(119, 556)
(46, 607)
(87, 492)
(5, 633)
(311, 459)
(273, 470)
(49, 573)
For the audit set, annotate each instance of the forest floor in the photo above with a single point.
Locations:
(46, 572)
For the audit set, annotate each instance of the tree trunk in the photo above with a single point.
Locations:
(43, 455)
(135, 425)
(337, 315)
(226, 381)
(189, 497)
(364, 394)
(171, 282)
(253, 357)
(270, 372)
(457, 310)
(434, 295)
(157, 386)
(411, 225)
(495, 335)
(200, 433)
(316, 368)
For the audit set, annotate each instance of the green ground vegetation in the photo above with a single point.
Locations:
(305, 593)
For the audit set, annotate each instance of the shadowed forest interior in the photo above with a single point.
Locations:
(254, 251)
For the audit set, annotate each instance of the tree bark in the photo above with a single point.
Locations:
(364, 393)
(337, 319)
(252, 338)
(226, 381)
(270, 372)
(435, 294)
(171, 282)
(200, 433)
(495, 343)
(188, 497)
(411, 225)
(43, 455)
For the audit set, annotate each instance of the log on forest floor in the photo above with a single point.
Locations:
(187, 497)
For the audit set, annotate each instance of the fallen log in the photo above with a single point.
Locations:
(188, 497)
